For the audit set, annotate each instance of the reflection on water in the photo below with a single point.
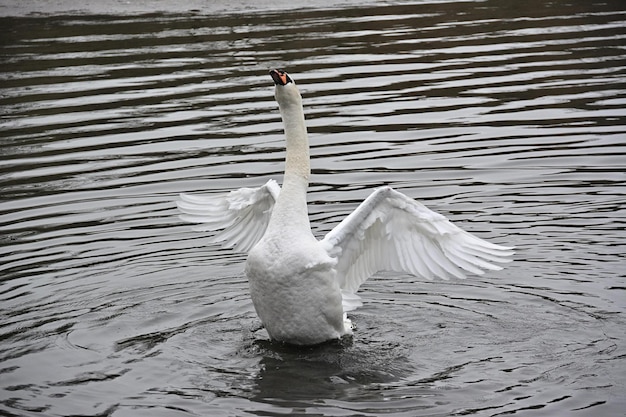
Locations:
(507, 117)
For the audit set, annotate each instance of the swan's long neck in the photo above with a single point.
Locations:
(290, 212)
(297, 163)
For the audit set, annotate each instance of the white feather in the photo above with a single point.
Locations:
(302, 287)
(239, 218)
(406, 237)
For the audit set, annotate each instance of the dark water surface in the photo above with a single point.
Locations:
(507, 117)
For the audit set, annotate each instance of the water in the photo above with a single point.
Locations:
(507, 117)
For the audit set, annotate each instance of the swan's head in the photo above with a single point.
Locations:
(286, 91)
(280, 77)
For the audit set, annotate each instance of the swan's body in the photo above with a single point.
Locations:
(302, 287)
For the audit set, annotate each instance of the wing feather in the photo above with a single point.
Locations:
(390, 231)
(239, 218)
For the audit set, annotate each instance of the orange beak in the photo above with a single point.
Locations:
(280, 77)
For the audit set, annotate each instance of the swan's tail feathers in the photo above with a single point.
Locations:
(350, 301)
(238, 219)
(347, 325)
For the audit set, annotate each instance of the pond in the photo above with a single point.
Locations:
(508, 118)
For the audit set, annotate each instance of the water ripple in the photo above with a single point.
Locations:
(509, 120)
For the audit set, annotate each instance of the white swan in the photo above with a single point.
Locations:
(302, 287)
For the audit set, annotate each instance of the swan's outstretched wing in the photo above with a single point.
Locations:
(390, 231)
(239, 217)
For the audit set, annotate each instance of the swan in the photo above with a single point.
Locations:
(302, 287)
